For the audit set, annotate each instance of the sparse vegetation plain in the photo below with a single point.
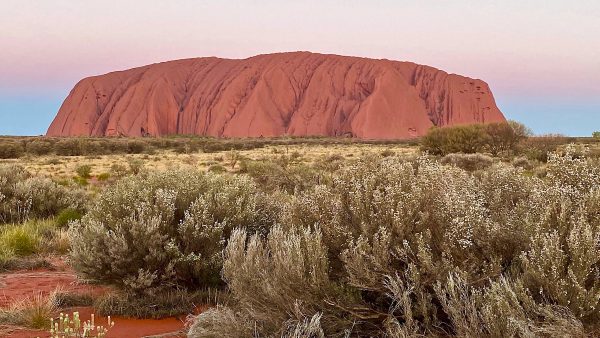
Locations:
(473, 232)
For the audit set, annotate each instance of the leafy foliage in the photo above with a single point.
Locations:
(495, 138)
(405, 249)
(23, 196)
(165, 230)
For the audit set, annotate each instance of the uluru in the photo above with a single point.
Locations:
(295, 94)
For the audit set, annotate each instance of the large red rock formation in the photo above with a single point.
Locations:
(300, 94)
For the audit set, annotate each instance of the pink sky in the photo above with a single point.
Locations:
(536, 50)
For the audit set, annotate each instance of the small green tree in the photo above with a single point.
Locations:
(596, 134)
(505, 136)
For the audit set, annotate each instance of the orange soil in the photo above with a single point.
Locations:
(24, 284)
(124, 327)
(19, 285)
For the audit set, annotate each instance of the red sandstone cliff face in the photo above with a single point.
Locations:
(301, 94)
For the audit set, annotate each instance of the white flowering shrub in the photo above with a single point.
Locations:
(277, 282)
(24, 196)
(166, 230)
(407, 249)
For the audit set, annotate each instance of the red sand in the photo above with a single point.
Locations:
(124, 328)
(301, 94)
(19, 285)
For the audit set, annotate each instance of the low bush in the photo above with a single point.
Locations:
(272, 176)
(84, 171)
(80, 181)
(39, 147)
(23, 196)
(136, 146)
(460, 139)
(523, 162)
(66, 216)
(11, 150)
(160, 231)
(495, 138)
(103, 177)
(403, 249)
(136, 165)
(13, 147)
(34, 312)
(19, 240)
(118, 170)
(69, 147)
(538, 147)
(387, 152)
(468, 162)
(505, 137)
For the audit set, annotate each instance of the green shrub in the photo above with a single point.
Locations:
(69, 147)
(19, 240)
(505, 136)
(34, 312)
(23, 196)
(295, 156)
(81, 181)
(66, 216)
(496, 138)
(165, 230)
(387, 152)
(460, 139)
(596, 134)
(11, 150)
(39, 147)
(103, 177)
(136, 146)
(84, 171)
